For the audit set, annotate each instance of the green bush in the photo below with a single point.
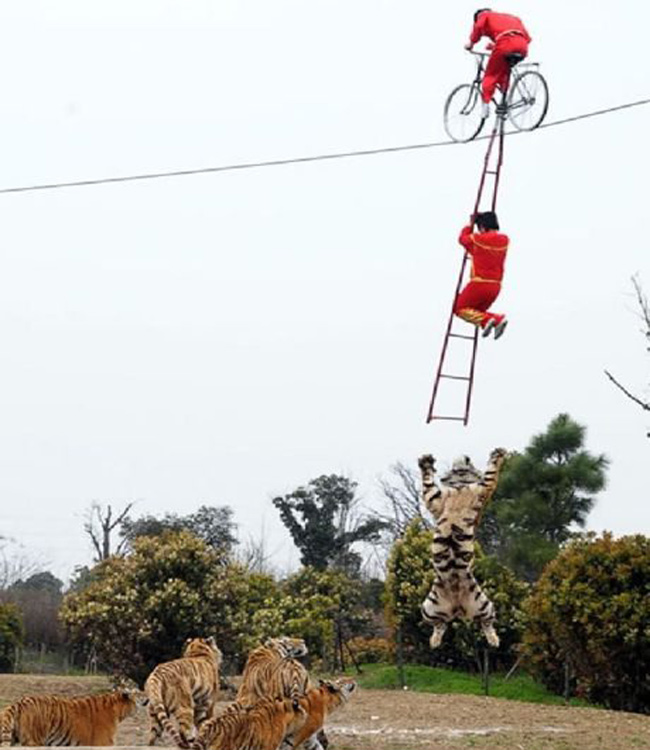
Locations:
(138, 610)
(11, 635)
(590, 610)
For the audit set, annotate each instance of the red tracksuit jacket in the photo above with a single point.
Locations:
(488, 253)
(493, 25)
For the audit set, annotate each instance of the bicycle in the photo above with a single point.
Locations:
(525, 103)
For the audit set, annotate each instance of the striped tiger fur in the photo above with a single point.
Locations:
(273, 671)
(184, 690)
(262, 726)
(318, 703)
(456, 507)
(57, 720)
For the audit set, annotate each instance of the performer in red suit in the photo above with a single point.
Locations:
(487, 249)
(509, 36)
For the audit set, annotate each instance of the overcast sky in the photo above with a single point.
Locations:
(224, 338)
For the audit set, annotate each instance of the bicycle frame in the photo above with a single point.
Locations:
(480, 70)
(475, 86)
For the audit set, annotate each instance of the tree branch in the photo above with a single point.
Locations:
(643, 404)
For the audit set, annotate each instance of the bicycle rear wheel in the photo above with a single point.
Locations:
(528, 100)
(463, 113)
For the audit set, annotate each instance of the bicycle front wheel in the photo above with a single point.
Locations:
(463, 113)
(528, 100)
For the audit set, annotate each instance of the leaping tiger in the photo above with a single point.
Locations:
(456, 507)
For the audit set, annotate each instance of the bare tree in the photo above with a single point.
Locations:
(644, 306)
(401, 493)
(15, 565)
(100, 524)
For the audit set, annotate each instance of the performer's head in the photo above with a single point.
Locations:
(487, 221)
(479, 11)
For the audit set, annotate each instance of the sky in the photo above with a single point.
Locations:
(224, 338)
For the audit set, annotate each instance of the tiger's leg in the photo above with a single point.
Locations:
(491, 473)
(437, 610)
(313, 743)
(431, 493)
(184, 715)
(155, 728)
(480, 609)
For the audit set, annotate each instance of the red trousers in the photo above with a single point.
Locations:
(474, 300)
(497, 71)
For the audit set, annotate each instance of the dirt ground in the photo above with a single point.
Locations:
(395, 720)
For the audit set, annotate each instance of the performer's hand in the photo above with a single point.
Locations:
(489, 47)
(469, 46)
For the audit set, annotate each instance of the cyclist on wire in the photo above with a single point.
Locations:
(509, 37)
(487, 249)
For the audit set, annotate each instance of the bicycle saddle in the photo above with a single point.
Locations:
(514, 58)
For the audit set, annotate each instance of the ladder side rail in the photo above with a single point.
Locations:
(445, 343)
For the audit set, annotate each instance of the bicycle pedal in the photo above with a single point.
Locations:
(502, 110)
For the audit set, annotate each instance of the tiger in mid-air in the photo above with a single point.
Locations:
(186, 690)
(58, 720)
(273, 670)
(456, 507)
(262, 726)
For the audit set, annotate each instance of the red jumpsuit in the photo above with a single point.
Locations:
(487, 251)
(509, 36)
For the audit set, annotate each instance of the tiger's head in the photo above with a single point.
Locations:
(337, 692)
(463, 472)
(202, 647)
(292, 648)
(127, 690)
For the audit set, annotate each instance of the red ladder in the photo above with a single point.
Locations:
(497, 136)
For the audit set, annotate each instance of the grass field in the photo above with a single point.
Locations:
(519, 687)
(410, 720)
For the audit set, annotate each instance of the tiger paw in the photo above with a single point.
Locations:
(491, 637)
(498, 454)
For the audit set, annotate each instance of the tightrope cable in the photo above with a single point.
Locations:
(299, 159)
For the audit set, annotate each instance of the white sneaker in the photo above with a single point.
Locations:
(488, 327)
(500, 328)
(486, 110)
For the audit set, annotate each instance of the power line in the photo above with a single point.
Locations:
(299, 159)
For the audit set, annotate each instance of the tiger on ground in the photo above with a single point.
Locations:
(273, 670)
(261, 726)
(456, 507)
(60, 720)
(183, 693)
(318, 703)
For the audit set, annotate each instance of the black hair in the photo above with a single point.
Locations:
(487, 220)
(479, 11)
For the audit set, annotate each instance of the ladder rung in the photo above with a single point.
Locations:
(452, 419)
(455, 377)
(490, 171)
(462, 336)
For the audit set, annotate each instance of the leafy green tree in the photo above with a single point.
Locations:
(325, 607)
(324, 524)
(410, 575)
(11, 635)
(213, 524)
(137, 610)
(43, 581)
(543, 494)
(39, 598)
(589, 613)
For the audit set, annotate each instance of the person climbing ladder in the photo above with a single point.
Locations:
(487, 249)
